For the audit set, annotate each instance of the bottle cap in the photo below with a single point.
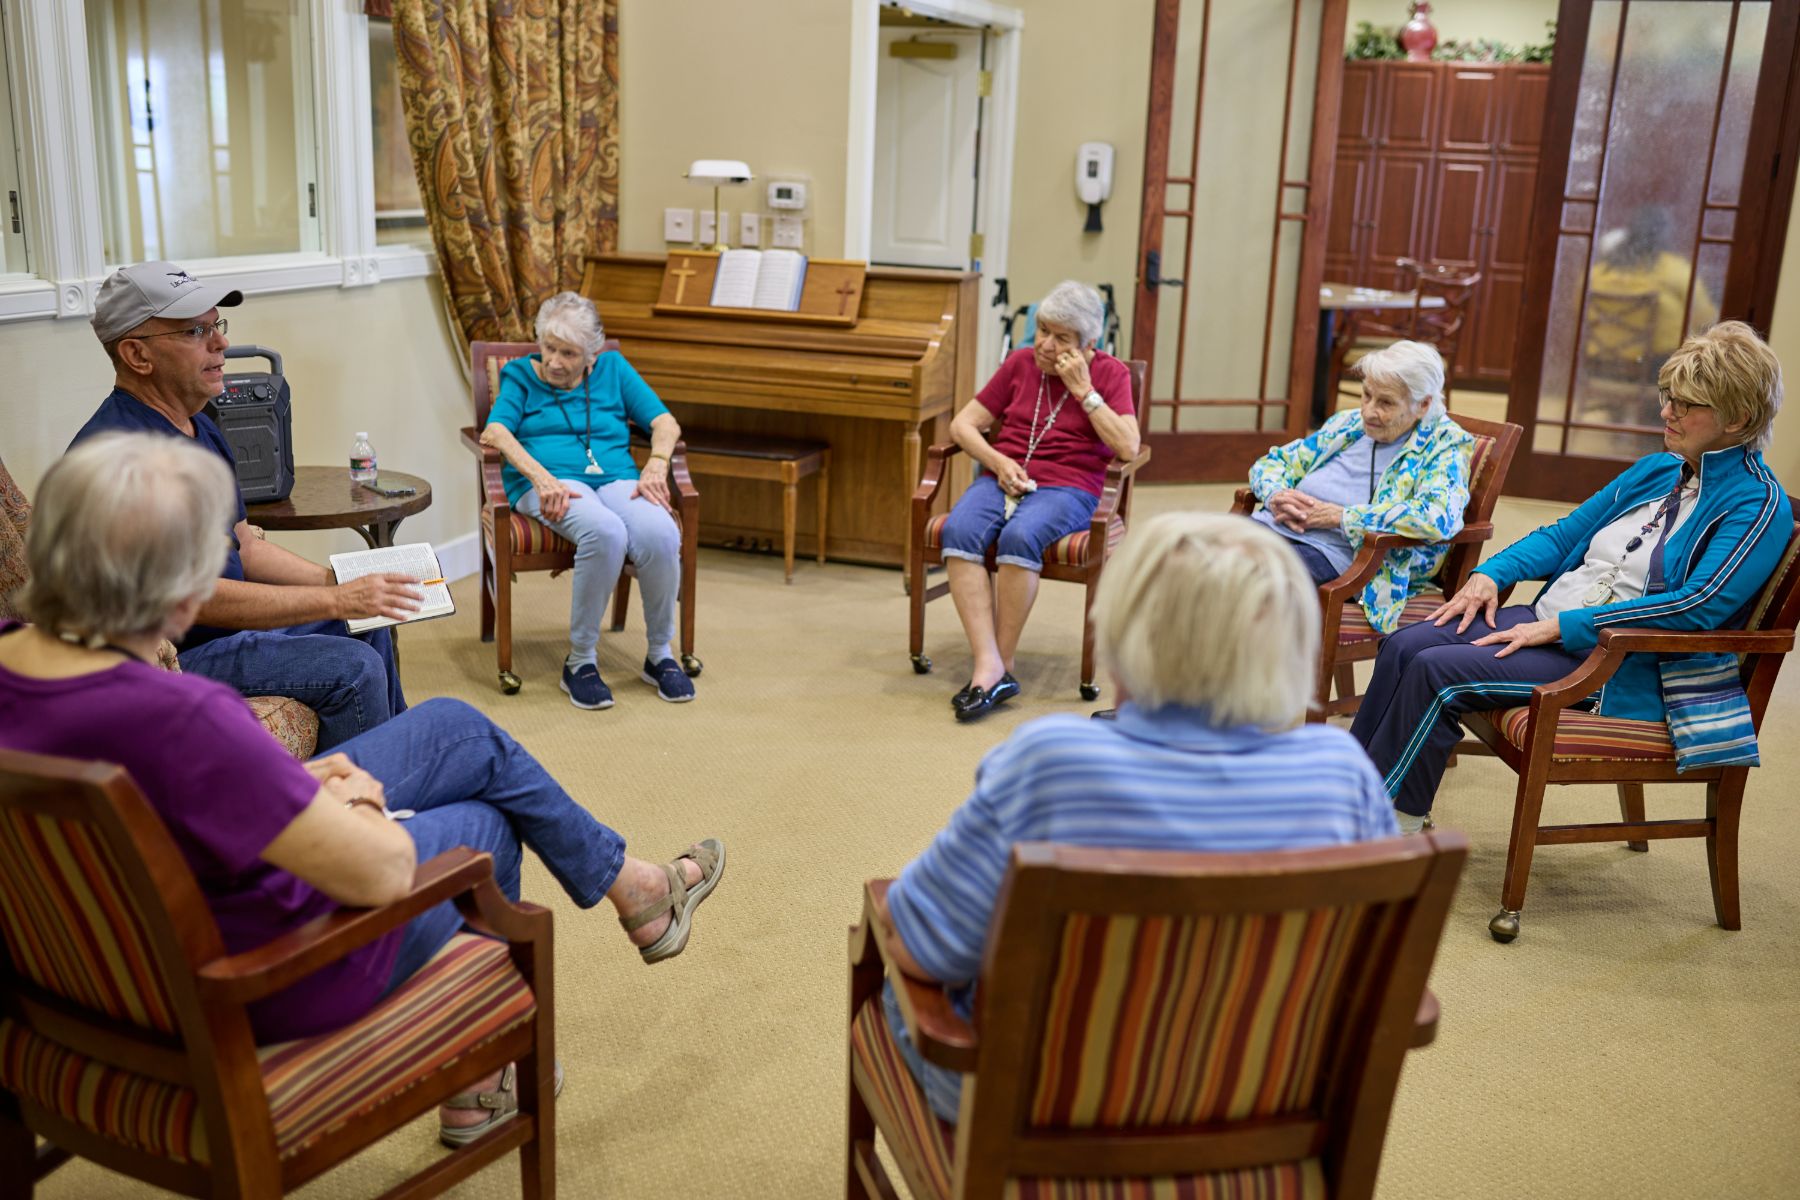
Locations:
(362, 437)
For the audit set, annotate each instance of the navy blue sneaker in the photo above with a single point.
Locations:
(672, 683)
(585, 687)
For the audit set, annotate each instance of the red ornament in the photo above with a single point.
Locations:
(1418, 36)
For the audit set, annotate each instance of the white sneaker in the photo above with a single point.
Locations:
(1412, 824)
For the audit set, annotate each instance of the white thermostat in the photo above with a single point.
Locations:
(787, 194)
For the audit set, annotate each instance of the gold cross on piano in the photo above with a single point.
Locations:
(681, 278)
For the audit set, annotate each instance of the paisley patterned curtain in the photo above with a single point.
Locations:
(512, 109)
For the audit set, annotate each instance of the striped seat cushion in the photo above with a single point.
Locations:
(466, 996)
(528, 536)
(1070, 551)
(1593, 737)
(1355, 627)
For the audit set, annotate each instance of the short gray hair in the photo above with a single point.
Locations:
(1074, 305)
(125, 528)
(1415, 366)
(572, 318)
(1211, 611)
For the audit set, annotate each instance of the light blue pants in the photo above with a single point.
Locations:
(607, 527)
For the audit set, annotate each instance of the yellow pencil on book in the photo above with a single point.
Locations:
(429, 582)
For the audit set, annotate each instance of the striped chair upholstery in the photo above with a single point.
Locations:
(464, 997)
(1590, 736)
(1070, 551)
(528, 536)
(1355, 627)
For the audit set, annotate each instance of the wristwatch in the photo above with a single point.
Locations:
(1094, 400)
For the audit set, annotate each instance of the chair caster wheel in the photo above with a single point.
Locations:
(1505, 925)
(510, 683)
(692, 665)
(921, 664)
(1090, 691)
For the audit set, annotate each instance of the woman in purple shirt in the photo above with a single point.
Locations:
(123, 549)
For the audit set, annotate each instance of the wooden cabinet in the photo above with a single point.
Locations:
(1439, 161)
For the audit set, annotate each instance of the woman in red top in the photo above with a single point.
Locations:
(1065, 412)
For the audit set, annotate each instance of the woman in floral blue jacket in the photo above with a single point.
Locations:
(1397, 464)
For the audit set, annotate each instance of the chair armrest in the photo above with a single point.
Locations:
(1117, 472)
(941, 1036)
(1426, 1022)
(493, 491)
(471, 437)
(681, 484)
(1243, 502)
(253, 974)
(935, 458)
(1673, 641)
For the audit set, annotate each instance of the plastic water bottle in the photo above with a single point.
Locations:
(362, 460)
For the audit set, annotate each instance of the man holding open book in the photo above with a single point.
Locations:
(275, 626)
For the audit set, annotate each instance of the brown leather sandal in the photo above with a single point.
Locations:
(682, 900)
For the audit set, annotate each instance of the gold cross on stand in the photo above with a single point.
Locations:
(681, 278)
(844, 292)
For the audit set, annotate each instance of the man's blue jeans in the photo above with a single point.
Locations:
(349, 680)
(469, 784)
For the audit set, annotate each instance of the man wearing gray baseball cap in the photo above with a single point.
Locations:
(275, 625)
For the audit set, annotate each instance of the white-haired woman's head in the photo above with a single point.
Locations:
(127, 528)
(1403, 384)
(1076, 308)
(1210, 611)
(569, 337)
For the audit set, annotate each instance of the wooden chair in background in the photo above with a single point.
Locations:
(1546, 742)
(1441, 326)
(1077, 558)
(1348, 638)
(528, 545)
(1286, 990)
(123, 1032)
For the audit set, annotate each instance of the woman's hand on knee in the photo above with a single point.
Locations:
(1480, 595)
(1528, 633)
(553, 499)
(653, 485)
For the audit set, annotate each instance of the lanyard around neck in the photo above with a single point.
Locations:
(587, 414)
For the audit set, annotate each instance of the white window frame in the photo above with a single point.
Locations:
(60, 169)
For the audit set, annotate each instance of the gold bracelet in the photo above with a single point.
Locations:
(664, 457)
(356, 801)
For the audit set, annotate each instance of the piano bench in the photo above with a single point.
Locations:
(776, 459)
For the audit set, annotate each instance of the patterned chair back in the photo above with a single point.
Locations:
(1778, 607)
(1495, 444)
(1221, 1021)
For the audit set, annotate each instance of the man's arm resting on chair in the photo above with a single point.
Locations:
(280, 588)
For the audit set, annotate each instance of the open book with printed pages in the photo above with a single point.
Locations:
(771, 279)
(416, 559)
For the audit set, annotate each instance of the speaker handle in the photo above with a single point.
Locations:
(255, 352)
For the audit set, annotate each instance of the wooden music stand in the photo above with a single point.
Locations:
(831, 295)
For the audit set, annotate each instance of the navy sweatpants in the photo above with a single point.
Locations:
(1424, 677)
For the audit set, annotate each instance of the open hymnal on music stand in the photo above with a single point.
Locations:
(416, 559)
(771, 279)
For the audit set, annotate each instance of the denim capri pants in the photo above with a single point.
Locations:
(1042, 519)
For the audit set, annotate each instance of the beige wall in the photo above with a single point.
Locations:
(375, 358)
(1515, 22)
(768, 84)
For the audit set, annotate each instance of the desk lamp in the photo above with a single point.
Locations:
(719, 172)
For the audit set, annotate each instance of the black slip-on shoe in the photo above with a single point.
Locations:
(982, 701)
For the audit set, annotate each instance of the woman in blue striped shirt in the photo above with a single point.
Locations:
(1210, 626)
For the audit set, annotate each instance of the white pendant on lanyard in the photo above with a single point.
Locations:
(593, 468)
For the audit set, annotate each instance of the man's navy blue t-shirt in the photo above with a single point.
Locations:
(124, 412)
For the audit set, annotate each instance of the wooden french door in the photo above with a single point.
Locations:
(1237, 183)
(1662, 206)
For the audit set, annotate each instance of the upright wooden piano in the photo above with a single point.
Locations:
(875, 391)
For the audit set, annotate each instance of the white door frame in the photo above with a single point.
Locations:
(993, 211)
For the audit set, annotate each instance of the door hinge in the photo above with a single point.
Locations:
(984, 84)
(312, 199)
(12, 202)
(977, 246)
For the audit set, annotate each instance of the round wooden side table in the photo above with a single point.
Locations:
(324, 498)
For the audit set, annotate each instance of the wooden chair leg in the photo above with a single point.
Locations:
(1528, 805)
(790, 511)
(487, 593)
(1090, 690)
(1631, 810)
(1345, 676)
(1724, 803)
(503, 617)
(537, 1158)
(824, 500)
(621, 601)
(18, 1150)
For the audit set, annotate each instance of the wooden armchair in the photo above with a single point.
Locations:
(1161, 1023)
(1441, 326)
(123, 1033)
(1077, 558)
(531, 546)
(1348, 637)
(1546, 742)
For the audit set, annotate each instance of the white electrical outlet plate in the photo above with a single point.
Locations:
(706, 227)
(787, 233)
(750, 229)
(678, 224)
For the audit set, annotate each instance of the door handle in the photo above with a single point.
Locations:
(1153, 271)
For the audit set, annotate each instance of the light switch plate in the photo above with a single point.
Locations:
(788, 232)
(678, 224)
(750, 229)
(706, 227)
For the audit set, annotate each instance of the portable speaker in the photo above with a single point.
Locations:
(256, 415)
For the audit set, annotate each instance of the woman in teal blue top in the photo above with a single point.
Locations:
(562, 420)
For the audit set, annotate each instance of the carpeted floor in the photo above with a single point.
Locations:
(1624, 1046)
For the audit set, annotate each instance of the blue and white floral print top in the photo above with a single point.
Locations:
(1421, 494)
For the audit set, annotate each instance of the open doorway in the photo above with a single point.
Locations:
(933, 89)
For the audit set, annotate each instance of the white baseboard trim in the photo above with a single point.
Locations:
(460, 557)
